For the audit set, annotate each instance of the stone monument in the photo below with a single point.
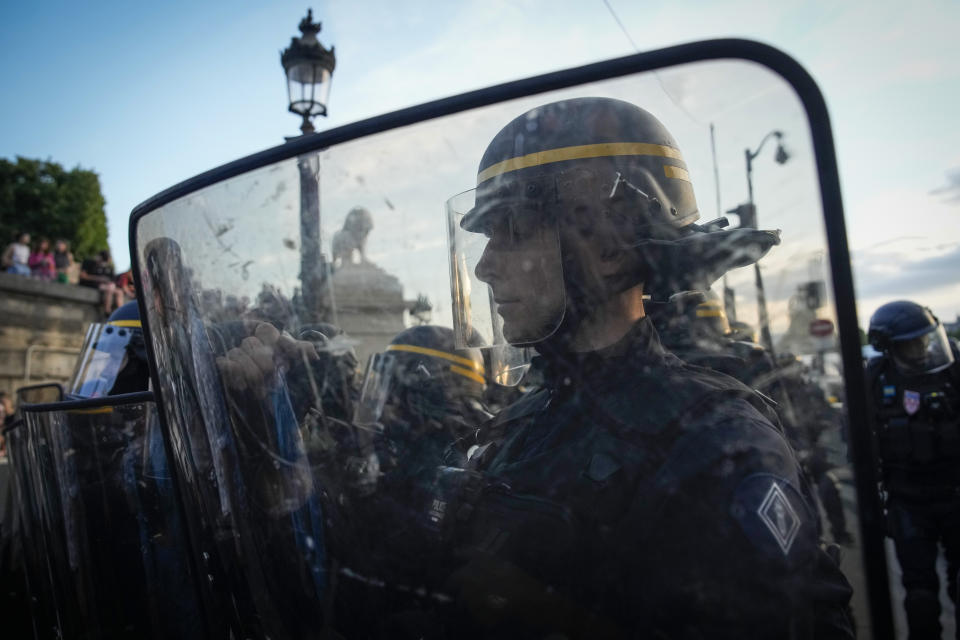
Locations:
(368, 300)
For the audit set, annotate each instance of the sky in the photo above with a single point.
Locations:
(149, 94)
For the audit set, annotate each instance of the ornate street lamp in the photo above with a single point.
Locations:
(308, 66)
(309, 69)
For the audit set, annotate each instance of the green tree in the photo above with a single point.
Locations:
(42, 198)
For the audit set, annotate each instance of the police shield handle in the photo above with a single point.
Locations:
(252, 367)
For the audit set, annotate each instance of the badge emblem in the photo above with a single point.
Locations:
(911, 401)
(780, 517)
(889, 391)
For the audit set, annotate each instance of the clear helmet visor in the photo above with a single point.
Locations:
(102, 357)
(375, 390)
(412, 376)
(506, 272)
(508, 280)
(926, 353)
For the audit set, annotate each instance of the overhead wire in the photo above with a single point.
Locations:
(663, 87)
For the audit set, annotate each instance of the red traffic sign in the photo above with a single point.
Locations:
(821, 327)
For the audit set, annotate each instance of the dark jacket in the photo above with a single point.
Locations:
(634, 495)
(917, 427)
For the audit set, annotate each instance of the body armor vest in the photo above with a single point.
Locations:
(918, 427)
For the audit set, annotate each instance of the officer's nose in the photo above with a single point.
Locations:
(488, 266)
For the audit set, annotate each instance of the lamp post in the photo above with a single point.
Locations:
(308, 66)
(781, 157)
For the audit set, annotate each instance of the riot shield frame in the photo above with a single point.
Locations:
(24, 392)
(809, 95)
(93, 403)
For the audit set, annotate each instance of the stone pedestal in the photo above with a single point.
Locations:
(369, 304)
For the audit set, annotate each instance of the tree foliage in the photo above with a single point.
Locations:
(43, 199)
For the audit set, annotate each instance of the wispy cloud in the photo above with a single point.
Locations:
(906, 273)
(951, 190)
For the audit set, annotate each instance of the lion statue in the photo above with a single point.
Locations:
(353, 237)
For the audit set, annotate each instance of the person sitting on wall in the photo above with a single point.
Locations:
(63, 262)
(97, 273)
(41, 262)
(125, 285)
(16, 257)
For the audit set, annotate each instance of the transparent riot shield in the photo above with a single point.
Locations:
(105, 544)
(25, 571)
(619, 490)
(17, 607)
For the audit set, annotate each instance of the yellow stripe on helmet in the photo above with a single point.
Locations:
(435, 353)
(126, 323)
(579, 152)
(467, 373)
(676, 172)
(96, 410)
(710, 309)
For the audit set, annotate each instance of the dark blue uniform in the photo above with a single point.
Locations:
(633, 495)
(917, 421)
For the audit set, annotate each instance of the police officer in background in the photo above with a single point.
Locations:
(694, 327)
(915, 390)
(421, 395)
(113, 360)
(630, 495)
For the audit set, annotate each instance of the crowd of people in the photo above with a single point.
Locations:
(56, 264)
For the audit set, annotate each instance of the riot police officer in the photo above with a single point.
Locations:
(630, 494)
(113, 360)
(419, 396)
(915, 390)
(114, 554)
(422, 395)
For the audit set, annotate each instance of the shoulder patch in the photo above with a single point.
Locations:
(601, 467)
(772, 513)
(911, 401)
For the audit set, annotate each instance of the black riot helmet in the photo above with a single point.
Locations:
(113, 359)
(423, 377)
(333, 375)
(911, 336)
(586, 168)
(691, 318)
(743, 332)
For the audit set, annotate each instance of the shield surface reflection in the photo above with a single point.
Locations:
(107, 555)
(620, 487)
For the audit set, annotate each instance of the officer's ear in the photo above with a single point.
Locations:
(616, 259)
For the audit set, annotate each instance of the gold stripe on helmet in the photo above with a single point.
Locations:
(126, 323)
(467, 373)
(710, 309)
(435, 353)
(676, 172)
(579, 152)
(94, 411)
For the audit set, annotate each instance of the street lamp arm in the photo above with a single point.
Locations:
(775, 133)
